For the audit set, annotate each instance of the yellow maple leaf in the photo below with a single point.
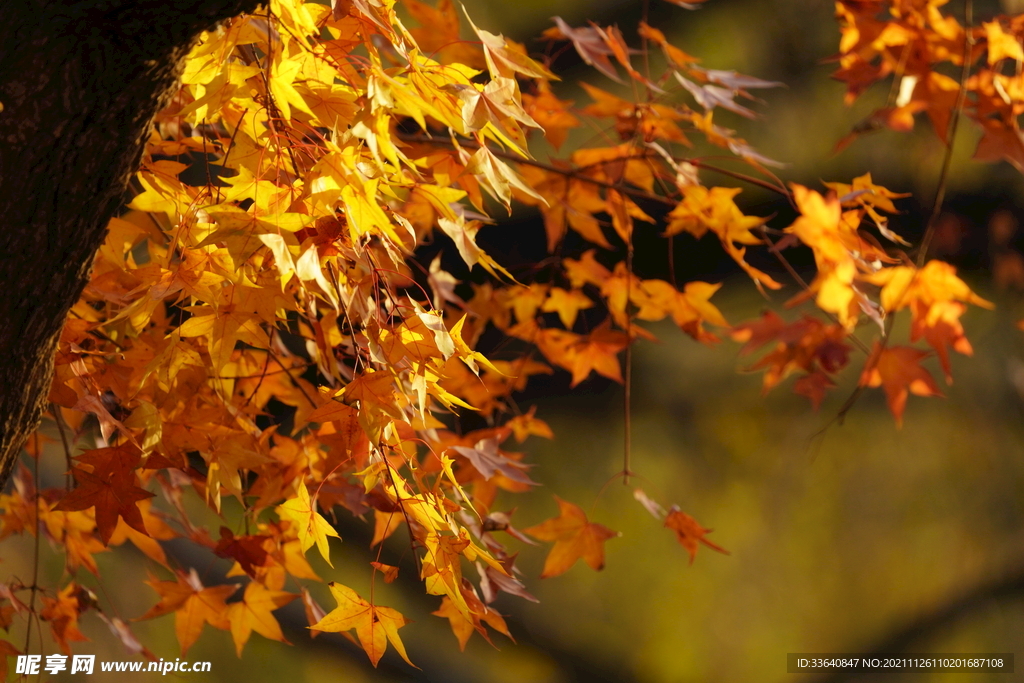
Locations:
(309, 524)
(375, 625)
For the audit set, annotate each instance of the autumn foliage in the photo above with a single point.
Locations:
(262, 332)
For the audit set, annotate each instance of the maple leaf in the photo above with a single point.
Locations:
(492, 581)
(689, 533)
(1001, 142)
(248, 551)
(309, 524)
(523, 426)
(497, 177)
(254, 613)
(314, 612)
(236, 319)
(714, 209)
(156, 529)
(385, 523)
(108, 424)
(757, 333)
(62, 613)
(863, 192)
(574, 536)
(942, 329)
(733, 80)
(463, 624)
(711, 96)
(552, 114)
(587, 270)
(389, 571)
(110, 487)
(488, 461)
(676, 56)
(933, 294)
(1001, 45)
(375, 625)
(822, 227)
(814, 386)
(123, 633)
(898, 371)
(597, 352)
(442, 569)
(613, 38)
(439, 32)
(193, 606)
(589, 43)
(506, 58)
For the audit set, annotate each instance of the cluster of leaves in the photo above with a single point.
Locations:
(259, 326)
(915, 43)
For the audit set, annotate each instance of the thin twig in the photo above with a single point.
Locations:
(628, 379)
(954, 121)
(742, 176)
(405, 514)
(59, 419)
(35, 556)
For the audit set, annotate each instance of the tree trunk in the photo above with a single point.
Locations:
(80, 83)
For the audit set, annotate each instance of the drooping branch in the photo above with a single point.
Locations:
(577, 174)
(80, 83)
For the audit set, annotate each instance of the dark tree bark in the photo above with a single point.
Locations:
(80, 83)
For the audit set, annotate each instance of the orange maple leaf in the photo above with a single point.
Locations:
(689, 533)
(62, 613)
(156, 529)
(193, 605)
(551, 113)
(389, 571)
(464, 623)
(574, 537)
(898, 371)
(942, 329)
(596, 352)
(254, 613)
(567, 303)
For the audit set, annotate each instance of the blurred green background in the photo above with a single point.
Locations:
(858, 538)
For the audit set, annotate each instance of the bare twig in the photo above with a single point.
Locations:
(954, 121)
(59, 419)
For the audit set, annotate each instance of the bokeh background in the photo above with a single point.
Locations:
(844, 538)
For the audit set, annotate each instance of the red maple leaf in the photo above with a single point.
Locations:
(111, 487)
